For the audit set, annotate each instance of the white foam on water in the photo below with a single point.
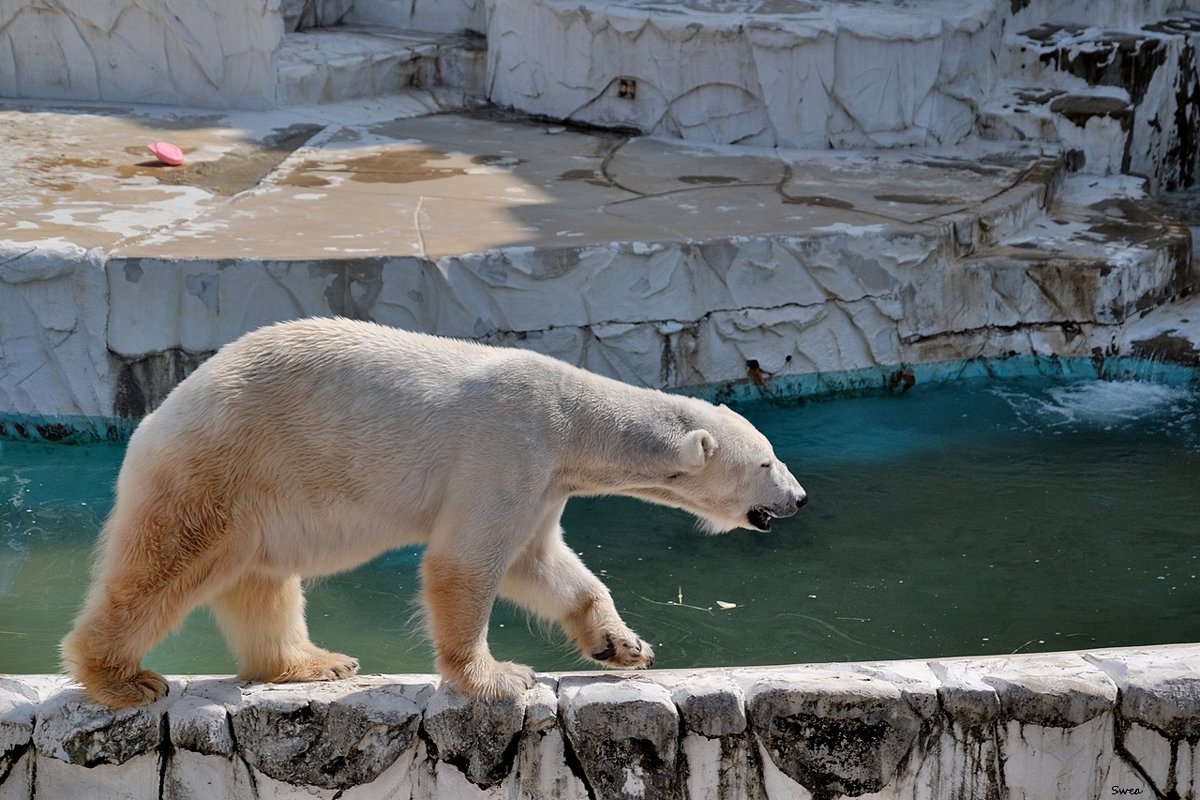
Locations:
(1105, 404)
(1115, 401)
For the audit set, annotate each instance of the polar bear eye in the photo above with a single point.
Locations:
(765, 465)
(674, 475)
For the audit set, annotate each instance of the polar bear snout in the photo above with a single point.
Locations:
(783, 499)
(760, 517)
(797, 502)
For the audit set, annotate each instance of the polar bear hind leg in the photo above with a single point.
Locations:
(262, 618)
(159, 561)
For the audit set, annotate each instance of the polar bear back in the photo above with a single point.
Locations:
(334, 440)
(357, 433)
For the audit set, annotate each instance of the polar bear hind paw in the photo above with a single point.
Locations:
(627, 652)
(321, 665)
(495, 680)
(141, 688)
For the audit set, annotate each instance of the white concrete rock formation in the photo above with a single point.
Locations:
(739, 198)
(1070, 725)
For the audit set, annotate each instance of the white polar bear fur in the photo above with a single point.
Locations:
(308, 447)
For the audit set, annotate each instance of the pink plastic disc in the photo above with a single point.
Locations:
(167, 153)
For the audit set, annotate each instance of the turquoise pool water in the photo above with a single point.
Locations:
(968, 519)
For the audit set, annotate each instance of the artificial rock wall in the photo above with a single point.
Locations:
(1074, 725)
(95, 341)
(208, 54)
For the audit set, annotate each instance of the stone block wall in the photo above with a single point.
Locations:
(1071, 725)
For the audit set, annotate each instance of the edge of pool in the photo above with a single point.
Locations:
(896, 379)
(1080, 724)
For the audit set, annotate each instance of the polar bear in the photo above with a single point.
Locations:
(308, 447)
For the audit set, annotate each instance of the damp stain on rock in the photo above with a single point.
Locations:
(1167, 347)
(917, 200)
(710, 180)
(589, 176)
(58, 173)
(387, 166)
(234, 172)
(1037, 97)
(497, 160)
(830, 756)
(901, 381)
(1080, 108)
(1113, 58)
(817, 200)
(143, 383)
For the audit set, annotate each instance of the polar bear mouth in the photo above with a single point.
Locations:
(760, 518)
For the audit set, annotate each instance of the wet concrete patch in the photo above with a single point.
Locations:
(1079, 108)
(818, 200)
(590, 176)
(387, 166)
(711, 180)
(920, 200)
(497, 160)
(49, 169)
(232, 173)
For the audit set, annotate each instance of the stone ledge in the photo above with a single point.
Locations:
(1052, 725)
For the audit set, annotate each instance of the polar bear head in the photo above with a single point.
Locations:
(726, 473)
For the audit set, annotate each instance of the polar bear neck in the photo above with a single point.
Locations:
(615, 436)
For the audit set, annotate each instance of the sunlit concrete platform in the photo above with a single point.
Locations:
(296, 185)
(661, 262)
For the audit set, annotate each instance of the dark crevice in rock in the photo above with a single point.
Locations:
(681, 761)
(166, 751)
(1120, 729)
(144, 382)
(462, 763)
(1069, 327)
(1181, 157)
(508, 761)
(479, 738)
(239, 755)
(610, 150)
(10, 759)
(571, 759)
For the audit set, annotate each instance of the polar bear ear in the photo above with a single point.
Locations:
(695, 450)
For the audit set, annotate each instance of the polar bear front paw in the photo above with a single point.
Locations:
(626, 651)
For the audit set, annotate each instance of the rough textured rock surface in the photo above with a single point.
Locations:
(1052, 725)
(833, 732)
(625, 734)
(325, 737)
(147, 51)
(478, 737)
